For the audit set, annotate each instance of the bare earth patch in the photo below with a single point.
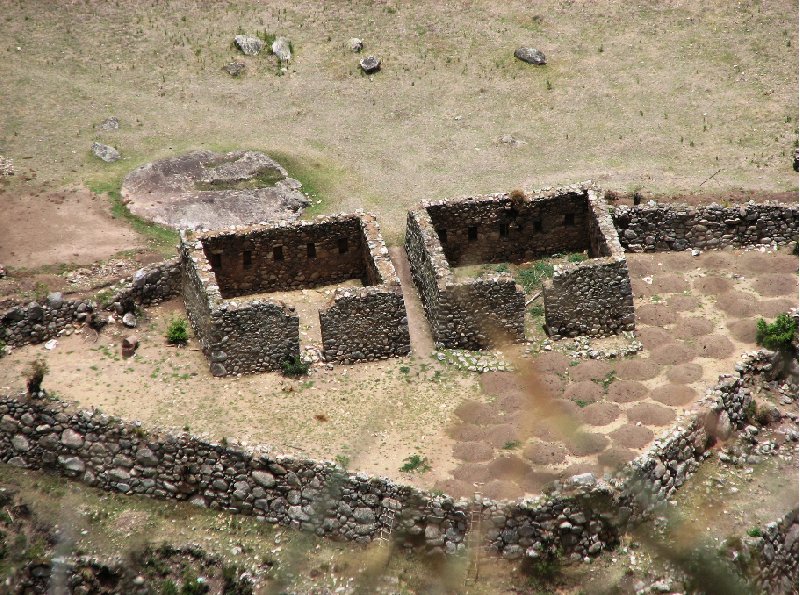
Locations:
(673, 395)
(600, 413)
(627, 391)
(590, 370)
(713, 285)
(638, 369)
(685, 373)
(650, 414)
(632, 436)
(692, 326)
(673, 353)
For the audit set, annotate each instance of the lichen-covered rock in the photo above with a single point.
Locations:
(248, 45)
(105, 152)
(370, 64)
(235, 69)
(530, 55)
(282, 48)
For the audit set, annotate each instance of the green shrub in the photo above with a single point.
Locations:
(415, 463)
(36, 372)
(754, 532)
(168, 587)
(778, 335)
(576, 257)
(295, 367)
(178, 331)
(511, 445)
(536, 310)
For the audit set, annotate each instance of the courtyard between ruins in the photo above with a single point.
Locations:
(507, 434)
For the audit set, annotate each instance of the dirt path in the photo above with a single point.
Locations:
(421, 338)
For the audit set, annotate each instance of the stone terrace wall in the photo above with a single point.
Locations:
(368, 323)
(776, 555)
(311, 253)
(470, 315)
(238, 337)
(654, 226)
(593, 297)
(531, 228)
(44, 319)
(579, 517)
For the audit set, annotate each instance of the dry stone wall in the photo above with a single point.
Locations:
(776, 555)
(578, 518)
(655, 227)
(593, 297)
(245, 335)
(43, 319)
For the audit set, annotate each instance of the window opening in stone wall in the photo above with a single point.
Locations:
(247, 258)
(472, 233)
(277, 253)
(311, 250)
(569, 219)
(442, 233)
(343, 246)
(537, 226)
(504, 230)
(216, 260)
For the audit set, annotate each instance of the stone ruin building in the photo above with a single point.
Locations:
(227, 276)
(592, 297)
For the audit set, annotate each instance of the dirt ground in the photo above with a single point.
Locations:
(672, 97)
(65, 227)
(506, 434)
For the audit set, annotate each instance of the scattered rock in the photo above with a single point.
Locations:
(509, 140)
(2, 271)
(6, 166)
(51, 344)
(370, 64)
(129, 346)
(282, 48)
(111, 123)
(355, 44)
(530, 55)
(129, 320)
(249, 46)
(234, 68)
(106, 153)
(796, 160)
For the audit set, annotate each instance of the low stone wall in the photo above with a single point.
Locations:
(654, 227)
(44, 319)
(578, 518)
(776, 554)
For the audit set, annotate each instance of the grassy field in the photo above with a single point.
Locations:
(657, 95)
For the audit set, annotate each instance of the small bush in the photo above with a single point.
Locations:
(754, 532)
(105, 298)
(415, 463)
(536, 310)
(295, 367)
(36, 372)
(576, 257)
(778, 335)
(511, 445)
(343, 461)
(178, 331)
(168, 587)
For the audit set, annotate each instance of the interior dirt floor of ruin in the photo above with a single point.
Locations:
(695, 317)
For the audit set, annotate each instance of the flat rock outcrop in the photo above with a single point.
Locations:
(207, 190)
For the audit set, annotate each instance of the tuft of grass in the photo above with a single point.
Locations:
(533, 276)
(178, 331)
(536, 311)
(511, 445)
(415, 463)
(754, 532)
(576, 257)
(161, 239)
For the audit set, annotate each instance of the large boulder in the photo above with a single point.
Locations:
(249, 46)
(530, 55)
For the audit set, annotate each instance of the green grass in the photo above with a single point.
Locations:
(415, 464)
(533, 276)
(159, 238)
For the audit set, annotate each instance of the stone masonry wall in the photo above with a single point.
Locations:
(776, 556)
(286, 257)
(470, 315)
(654, 227)
(593, 297)
(241, 335)
(580, 517)
(238, 336)
(44, 319)
(509, 230)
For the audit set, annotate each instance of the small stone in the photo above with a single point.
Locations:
(105, 152)
(530, 55)
(234, 69)
(355, 44)
(129, 320)
(129, 346)
(370, 64)
(111, 123)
